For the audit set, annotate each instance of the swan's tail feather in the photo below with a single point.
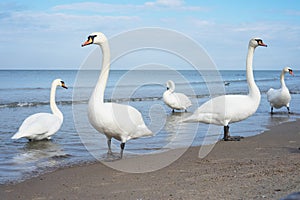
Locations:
(189, 119)
(17, 135)
(143, 131)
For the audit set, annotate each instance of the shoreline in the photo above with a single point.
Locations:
(257, 167)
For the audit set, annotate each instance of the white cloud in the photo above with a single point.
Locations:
(97, 7)
(167, 3)
(43, 21)
(178, 5)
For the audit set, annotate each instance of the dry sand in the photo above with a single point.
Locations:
(266, 166)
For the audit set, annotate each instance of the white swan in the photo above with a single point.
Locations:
(43, 125)
(175, 100)
(121, 122)
(226, 109)
(280, 97)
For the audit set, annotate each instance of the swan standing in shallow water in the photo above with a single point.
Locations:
(43, 125)
(118, 121)
(226, 109)
(280, 97)
(175, 100)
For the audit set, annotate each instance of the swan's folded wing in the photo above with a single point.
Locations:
(270, 91)
(37, 124)
(183, 100)
(272, 94)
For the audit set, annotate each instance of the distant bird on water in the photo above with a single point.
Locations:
(176, 101)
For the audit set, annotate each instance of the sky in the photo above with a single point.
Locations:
(48, 34)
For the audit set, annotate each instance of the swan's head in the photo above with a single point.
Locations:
(255, 42)
(59, 82)
(288, 70)
(170, 85)
(95, 38)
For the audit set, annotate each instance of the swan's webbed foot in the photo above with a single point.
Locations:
(233, 138)
(227, 137)
(109, 153)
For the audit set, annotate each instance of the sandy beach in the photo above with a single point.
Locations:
(266, 166)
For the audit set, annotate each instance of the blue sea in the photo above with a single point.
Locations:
(25, 92)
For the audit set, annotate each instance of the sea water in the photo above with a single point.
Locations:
(25, 92)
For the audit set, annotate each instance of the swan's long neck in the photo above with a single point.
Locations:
(253, 89)
(53, 105)
(282, 79)
(98, 94)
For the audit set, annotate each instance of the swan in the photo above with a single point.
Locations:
(175, 100)
(118, 121)
(226, 109)
(280, 97)
(41, 126)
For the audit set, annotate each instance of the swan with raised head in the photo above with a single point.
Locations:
(41, 126)
(226, 109)
(118, 121)
(280, 97)
(176, 101)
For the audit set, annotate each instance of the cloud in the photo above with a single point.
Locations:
(43, 21)
(178, 5)
(167, 3)
(96, 7)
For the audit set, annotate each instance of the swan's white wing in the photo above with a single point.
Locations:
(121, 122)
(278, 98)
(177, 101)
(169, 99)
(38, 126)
(183, 100)
(225, 109)
(271, 94)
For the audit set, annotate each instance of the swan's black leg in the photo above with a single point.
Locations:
(109, 152)
(226, 133)
(272, 110)
(122, 149)
(288, 108)
(173, 110)
(227, 137)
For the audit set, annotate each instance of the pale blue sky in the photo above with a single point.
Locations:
(47, 34)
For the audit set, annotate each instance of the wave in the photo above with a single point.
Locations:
(31, 104)
(35, 104)
(25, 89)
(85, 101)
(118, 100)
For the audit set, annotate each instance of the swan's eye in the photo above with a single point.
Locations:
(62, 82)
(259, 41)
(91, 37)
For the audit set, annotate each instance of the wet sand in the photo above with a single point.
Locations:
(266, 166)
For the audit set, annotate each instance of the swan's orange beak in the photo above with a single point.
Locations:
(89, 41)
(291, 72)
(261, 43)
(64, 86)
